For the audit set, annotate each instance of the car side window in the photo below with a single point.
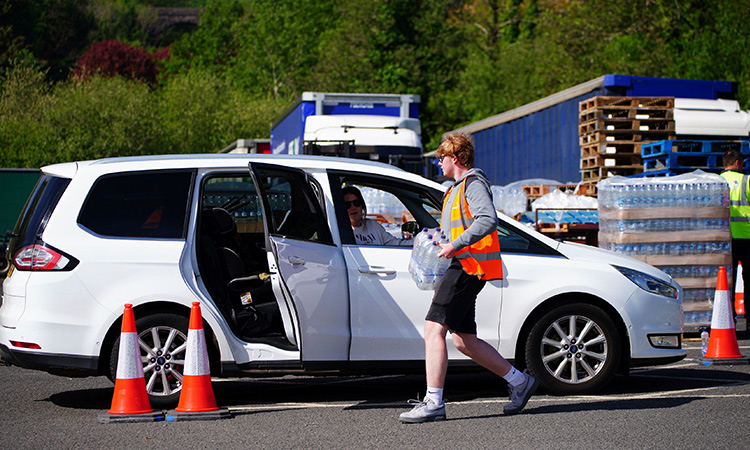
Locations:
(389, 202)
(139, 205)
(513, 241)
(385, 208)
(292, 208)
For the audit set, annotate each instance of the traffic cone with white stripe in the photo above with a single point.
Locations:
(722, 341)
(130, 402)
(197, 400)
(739, 301)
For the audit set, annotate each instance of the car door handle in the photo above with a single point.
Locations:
(377, 269)
(296, 261)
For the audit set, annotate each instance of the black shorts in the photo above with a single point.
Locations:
(455, 299)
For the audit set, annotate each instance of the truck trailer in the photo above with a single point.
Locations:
(378, 127)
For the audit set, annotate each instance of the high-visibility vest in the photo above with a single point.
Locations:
(739, 207)
(481, 258)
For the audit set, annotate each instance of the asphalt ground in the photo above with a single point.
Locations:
(681, 405)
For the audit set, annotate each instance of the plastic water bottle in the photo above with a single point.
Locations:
(441, 264)
(704, 341)
(432, 267)
(423, 268)
(425, 274)
(413, 262)
(419, 257)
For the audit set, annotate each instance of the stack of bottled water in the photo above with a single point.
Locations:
(678, 224)
(382, 202)
(509, 200)
(690, 190)
(425, 267)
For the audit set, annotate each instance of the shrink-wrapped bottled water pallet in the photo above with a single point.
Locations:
(678, 224)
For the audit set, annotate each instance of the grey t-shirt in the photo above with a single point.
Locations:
(372, 233)
(479, 198)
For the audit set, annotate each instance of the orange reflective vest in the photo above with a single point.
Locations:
(481, 258)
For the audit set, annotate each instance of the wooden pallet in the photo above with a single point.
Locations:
(622, 136)
(596, 174)
(534, 191)
(612, 160)
(630, 102)
(588, 188)
(604, 113)
(634, 125)
(611, 148)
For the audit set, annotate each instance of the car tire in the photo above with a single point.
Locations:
(165, 335)
(577, 362)
(4, 265)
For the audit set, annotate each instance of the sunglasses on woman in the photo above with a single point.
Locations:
(356, 203)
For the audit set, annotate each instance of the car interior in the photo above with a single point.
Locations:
(233, 261)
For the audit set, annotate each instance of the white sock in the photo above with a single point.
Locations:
(514, 377)
(435, 394)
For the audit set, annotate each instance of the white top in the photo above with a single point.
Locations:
(372, 233)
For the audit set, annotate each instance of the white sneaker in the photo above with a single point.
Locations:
(424, 411)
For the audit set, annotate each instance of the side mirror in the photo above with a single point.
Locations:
(409, 229)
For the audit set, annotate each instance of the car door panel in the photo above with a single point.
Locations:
(307, 270)
(315, 277)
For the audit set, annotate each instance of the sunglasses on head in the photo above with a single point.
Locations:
(356, 203)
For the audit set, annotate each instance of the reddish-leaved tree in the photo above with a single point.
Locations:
(110, 58)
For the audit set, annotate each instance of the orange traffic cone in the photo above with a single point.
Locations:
(722, 341)
(197, 400)
(130, 402)
(739, 301)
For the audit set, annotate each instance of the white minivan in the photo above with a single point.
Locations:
(264, 243)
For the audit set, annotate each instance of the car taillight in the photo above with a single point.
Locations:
(25, 345)
(39, 257)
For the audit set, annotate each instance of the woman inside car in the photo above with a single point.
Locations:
(367, 231)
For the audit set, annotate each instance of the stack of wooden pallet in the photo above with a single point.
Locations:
(535, 191)
(612, 130)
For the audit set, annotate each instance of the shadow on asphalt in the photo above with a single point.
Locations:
(386, 392)
(83, 399)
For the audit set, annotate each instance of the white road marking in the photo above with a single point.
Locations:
(703, 392)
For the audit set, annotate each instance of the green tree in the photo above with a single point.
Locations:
(200, 112)
(212, 45)
(399, 46)
(278, 46)
(23, 97)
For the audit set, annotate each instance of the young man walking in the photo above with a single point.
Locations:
(470, 220)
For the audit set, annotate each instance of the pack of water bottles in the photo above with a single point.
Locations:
(689, 190)
(678, 224)
(425, 267)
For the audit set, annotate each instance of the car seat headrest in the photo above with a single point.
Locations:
(219, 221)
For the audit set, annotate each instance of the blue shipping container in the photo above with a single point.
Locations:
(541, 139)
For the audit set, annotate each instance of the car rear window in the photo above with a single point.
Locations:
(139, 205)
(35, 214)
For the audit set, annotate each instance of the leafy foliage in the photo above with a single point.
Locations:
(110, 58)
(233, 74)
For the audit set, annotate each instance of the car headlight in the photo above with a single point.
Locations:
(648, 283)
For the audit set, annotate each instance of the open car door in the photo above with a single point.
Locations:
(308, 272)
